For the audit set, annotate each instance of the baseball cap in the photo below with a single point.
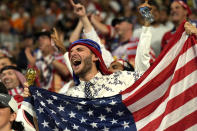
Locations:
(121, 19)
(8, 101)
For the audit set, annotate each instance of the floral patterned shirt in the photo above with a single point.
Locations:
(105, 85)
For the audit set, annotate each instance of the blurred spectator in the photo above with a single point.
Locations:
(179, 12)
(27, 43)
(164, 18)
(4, 52)
(49, 63)
(42, 18)
(193, 16)
(19, 18)
(6, 61)
(13, 80)
(125, 45)
(8, 40)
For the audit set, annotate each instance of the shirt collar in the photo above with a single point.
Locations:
(93, 80)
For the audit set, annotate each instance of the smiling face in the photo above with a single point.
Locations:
(9, 79)
(177, 13)
(82, 60)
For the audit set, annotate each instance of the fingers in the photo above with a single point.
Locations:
(55, 35)
(144, 5)
(189, 28)
(26, 92)
(72, 3)
(55, 32)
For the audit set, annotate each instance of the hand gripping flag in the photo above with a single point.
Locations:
(164, 98)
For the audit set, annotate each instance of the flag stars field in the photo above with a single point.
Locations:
(72, 114)
(102, 117)
(45, 124)
(42, 103)
(79, 107)
(125, 124)
(105, 129)
(54, 97)
(83, 120)
(94, 125)
(75, 127)
(40, 110)
(120, 113)
(114, 121)
(108, 109)
(49, 101)
(112, 103)
(90, 113)
(61, 108)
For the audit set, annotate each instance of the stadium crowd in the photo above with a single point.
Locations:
(44, 35)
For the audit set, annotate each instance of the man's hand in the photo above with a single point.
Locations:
(190, 29)
(26, 92)
(31, 59)
(78, 9)
(146, 23)
(58, 43)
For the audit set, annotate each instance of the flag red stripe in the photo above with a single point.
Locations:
(172, 105)
(163, 53)
(140, 114)
(188, 121)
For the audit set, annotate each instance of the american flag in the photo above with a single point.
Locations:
(164, 98)
(58, 112)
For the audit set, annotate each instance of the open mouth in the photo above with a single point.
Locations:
(76, 62)
(174, 14)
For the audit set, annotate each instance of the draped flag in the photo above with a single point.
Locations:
(164, 98)
(58, 112)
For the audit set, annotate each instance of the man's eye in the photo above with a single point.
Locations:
(79, 49)
(114, 66)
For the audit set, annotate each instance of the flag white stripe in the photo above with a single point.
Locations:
(178, 114)
(193, 128)
(173, 52)
(177, 89)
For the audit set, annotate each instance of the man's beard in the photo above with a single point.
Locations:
(87, 67)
